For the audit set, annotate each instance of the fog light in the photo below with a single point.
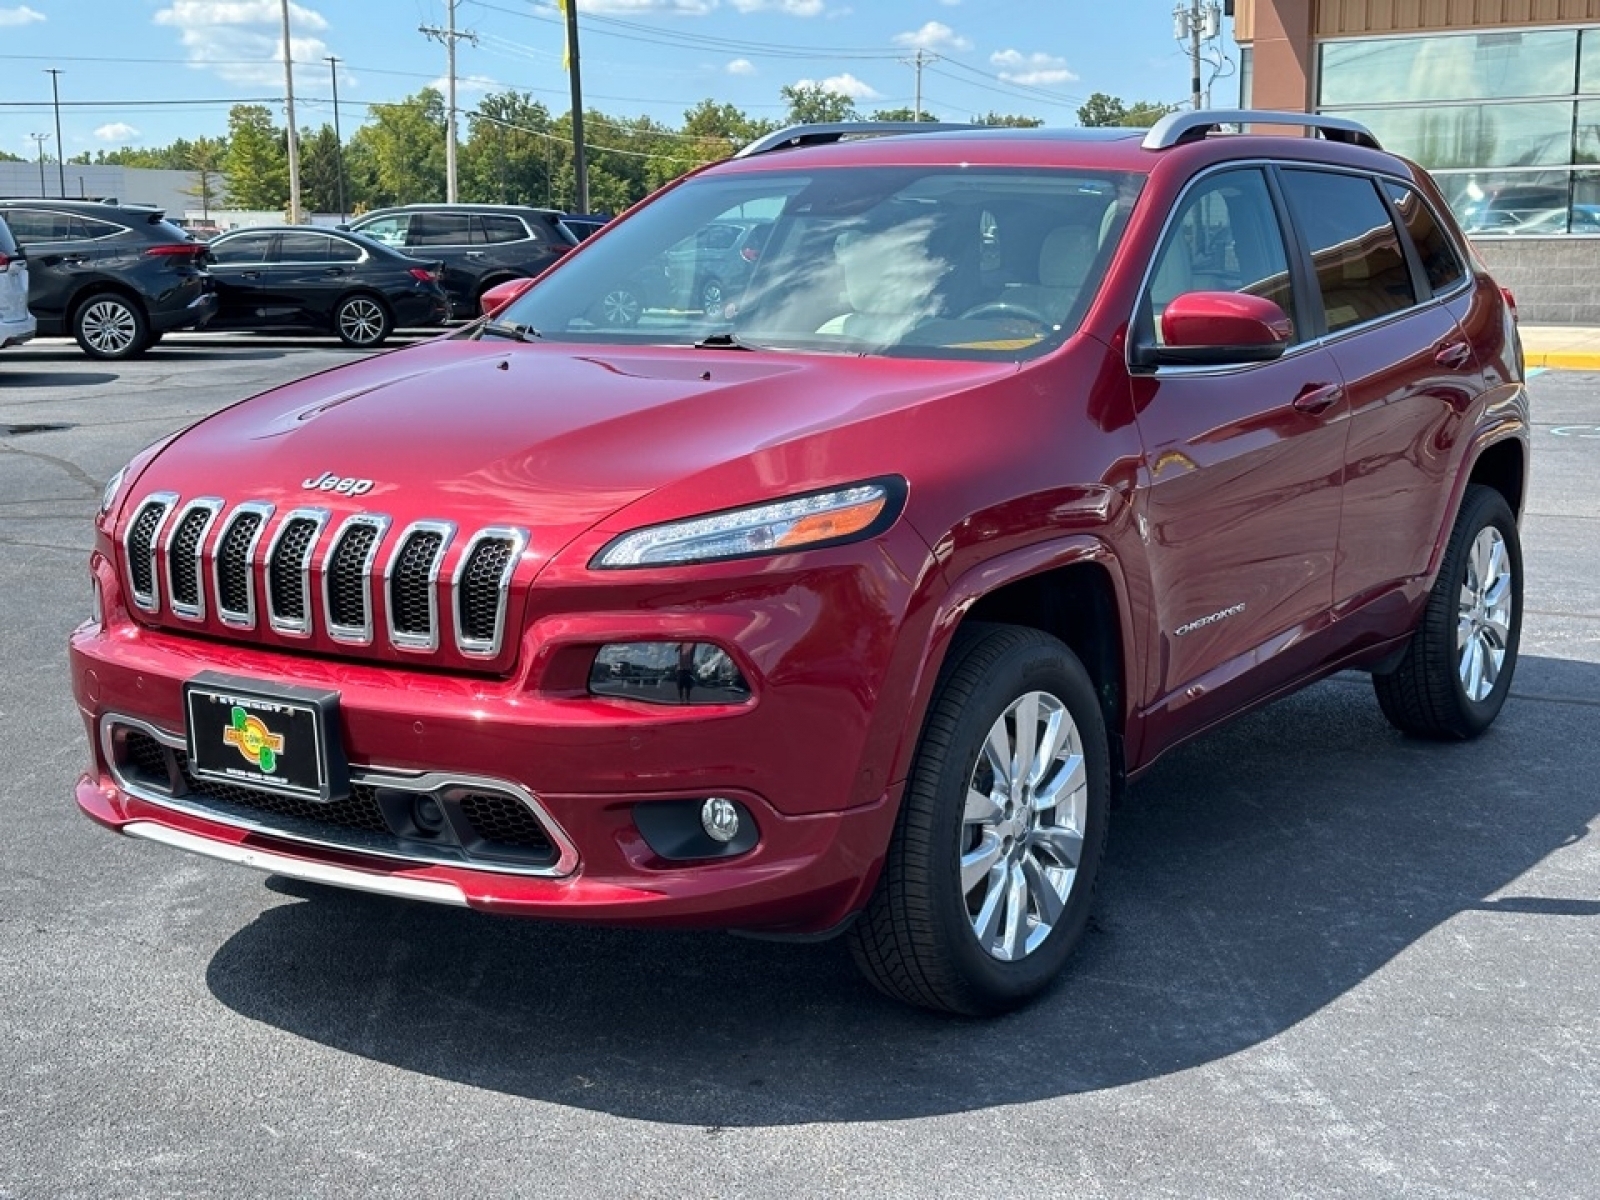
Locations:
(667, 673)
(427, 814)
(720, 819)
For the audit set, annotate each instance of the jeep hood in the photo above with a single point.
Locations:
(552, 438)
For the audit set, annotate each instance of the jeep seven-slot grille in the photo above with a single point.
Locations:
(475, 824)
(338, 577)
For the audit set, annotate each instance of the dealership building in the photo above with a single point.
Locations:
(1499, 99)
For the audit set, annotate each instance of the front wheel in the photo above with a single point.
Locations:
(362, 321)
(108, 326)
(1457, 668)
(990, 872)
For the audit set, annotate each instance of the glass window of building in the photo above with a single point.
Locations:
(1502, 118)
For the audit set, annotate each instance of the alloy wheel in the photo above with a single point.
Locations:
(109, 326)
(361, 321)
(1483, 630)
(1023, 826)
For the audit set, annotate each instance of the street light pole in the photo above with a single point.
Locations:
(55, 100)
(294, 143)
(39, 140)
(338, 138)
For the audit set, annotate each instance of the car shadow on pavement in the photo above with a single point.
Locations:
(10, 379)
(1252, 878)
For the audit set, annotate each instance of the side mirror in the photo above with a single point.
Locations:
(502, 294)
(1218, 328)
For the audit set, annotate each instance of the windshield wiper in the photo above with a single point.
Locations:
(511, 329)
(721, 341)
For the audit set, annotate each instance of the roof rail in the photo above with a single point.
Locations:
(1177, 128)
(827, 134)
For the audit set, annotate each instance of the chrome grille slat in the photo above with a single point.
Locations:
(289, 570)
(347, 578)
(482, 580)
(412, 585)
(185, 544)
(139, 546)
(233, 574)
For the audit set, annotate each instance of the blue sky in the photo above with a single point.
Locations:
(143, 72)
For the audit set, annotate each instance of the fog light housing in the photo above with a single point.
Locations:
(427, 814)
(667, 673)
(99, 604)
(720, 819)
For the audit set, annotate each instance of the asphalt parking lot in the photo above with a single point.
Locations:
(1327, 961)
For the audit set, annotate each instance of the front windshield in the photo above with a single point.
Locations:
(963, 262)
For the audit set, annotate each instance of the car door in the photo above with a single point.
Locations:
(1408, 368)
(238, 264)
(447, 237)
(1239, 509)
(308, 276)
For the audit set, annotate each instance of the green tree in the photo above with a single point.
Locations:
(813, 104)
(205, 157)
(511, 152)
(1103, 110)
(722, 128)
(257, 162)
(405, 143)
(901, 114)
(1010, 121)
(319, 170)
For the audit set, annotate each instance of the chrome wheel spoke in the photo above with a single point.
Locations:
(997, 753)
(982, 808)
(986, 921)
(1060, 843)
(978, 862)
(1026, 740)
(1071, 776)
(1047, 901)
(1014, 939)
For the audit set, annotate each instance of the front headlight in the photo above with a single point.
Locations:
(799, 523)
(113, 486)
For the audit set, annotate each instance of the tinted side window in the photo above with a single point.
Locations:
(391, 231)
(30, 225)
(440, 229)
(1355, 248)
(498, 229)
(249, 248)
(1440, 262)
(87, 228)
(1225, 238)
(302, 248)
(342, 251)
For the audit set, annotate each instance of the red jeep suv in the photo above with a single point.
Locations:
(1020, 457)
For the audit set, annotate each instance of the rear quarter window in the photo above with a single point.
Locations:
(1360, 265)
(1440, 261)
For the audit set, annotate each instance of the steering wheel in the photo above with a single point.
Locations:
(1004, 308)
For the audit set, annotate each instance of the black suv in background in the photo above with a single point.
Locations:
(114, 276)
(481, 245)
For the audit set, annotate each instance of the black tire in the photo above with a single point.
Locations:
(918, 938)
(109, 326)
(363, 321)
(1425, 695)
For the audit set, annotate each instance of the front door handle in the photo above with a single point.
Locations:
(1453, 355)
(1315, 397)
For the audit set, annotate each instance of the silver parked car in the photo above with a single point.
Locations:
(16, 322)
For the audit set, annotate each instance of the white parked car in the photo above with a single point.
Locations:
(16, 322)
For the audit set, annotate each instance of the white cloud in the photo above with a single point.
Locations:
(242, 40)
(1031, 70)
(117, 131)
(792, 8)
(22, 15)
(846, 85)
(741, 66)
(932, 36)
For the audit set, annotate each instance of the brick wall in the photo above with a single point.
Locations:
(1555, 280)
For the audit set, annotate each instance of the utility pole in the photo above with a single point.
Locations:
(338, 138)
(39, 139)
(55, 101)
(922, 59)
(580, 164)
(1196, 21)
(449, 37)
(294, 133)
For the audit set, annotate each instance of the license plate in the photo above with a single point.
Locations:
(278, 738)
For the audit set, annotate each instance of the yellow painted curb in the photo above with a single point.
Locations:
(1563, 360)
